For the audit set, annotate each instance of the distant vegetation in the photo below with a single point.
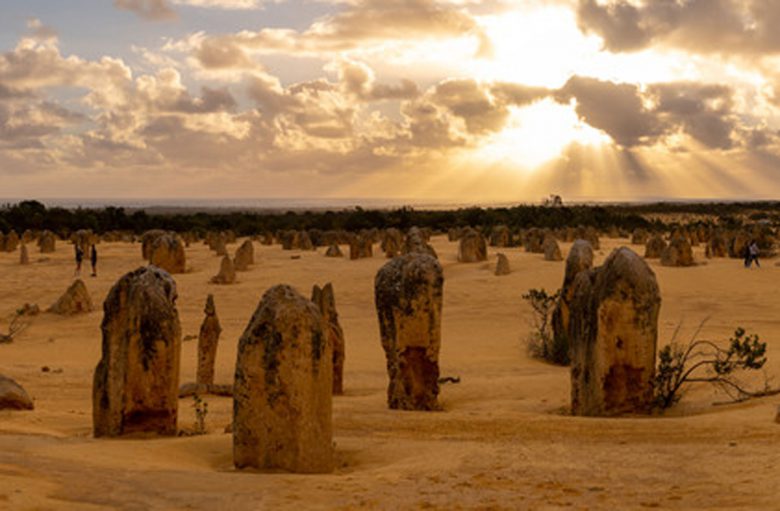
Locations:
(35, 216)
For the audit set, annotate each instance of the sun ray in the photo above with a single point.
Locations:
(537, 134)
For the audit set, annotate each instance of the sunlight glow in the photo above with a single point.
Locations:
(537, 134)
(525, 51)
(517, 54)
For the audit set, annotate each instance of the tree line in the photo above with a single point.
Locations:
(34, 215)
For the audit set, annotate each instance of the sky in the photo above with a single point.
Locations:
(463, 100)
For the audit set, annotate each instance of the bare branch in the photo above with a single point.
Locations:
(678, 366)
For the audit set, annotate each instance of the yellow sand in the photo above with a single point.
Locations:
(503, 440)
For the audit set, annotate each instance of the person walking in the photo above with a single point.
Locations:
(79, 259)
(753, 252)
(93, 259)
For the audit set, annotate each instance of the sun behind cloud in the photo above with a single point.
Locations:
(537, 134)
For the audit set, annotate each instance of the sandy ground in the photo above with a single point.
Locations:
(503, 441)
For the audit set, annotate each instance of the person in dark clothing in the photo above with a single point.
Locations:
(79, 258)
(753, 252)
(93, 260)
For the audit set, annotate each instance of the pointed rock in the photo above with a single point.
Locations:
(552, 252)
(580, 259)
(325, 301)
(227, 273)
(13, 396)
(245, 256)
(333, 251)
(24, 257)
(654, 247)
(208, 339)
(47, 243)
(75, 300)
(417, 243)
(502, 265)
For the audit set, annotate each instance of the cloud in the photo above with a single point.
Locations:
(153, 10)
(702, 26)
(359, 80)
(471, 102)
(359, 24)
(222, 4)
(616, 109)
(428, 127)
(635, 117)
(7, 92)
(347, 117)
(40, 31)
(156, 10)
(37, 64)
(309, 114)
(222, 53)
(702, 111)
(516, 94)
(22, 125)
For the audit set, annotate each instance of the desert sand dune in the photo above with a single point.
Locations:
(504, 439)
